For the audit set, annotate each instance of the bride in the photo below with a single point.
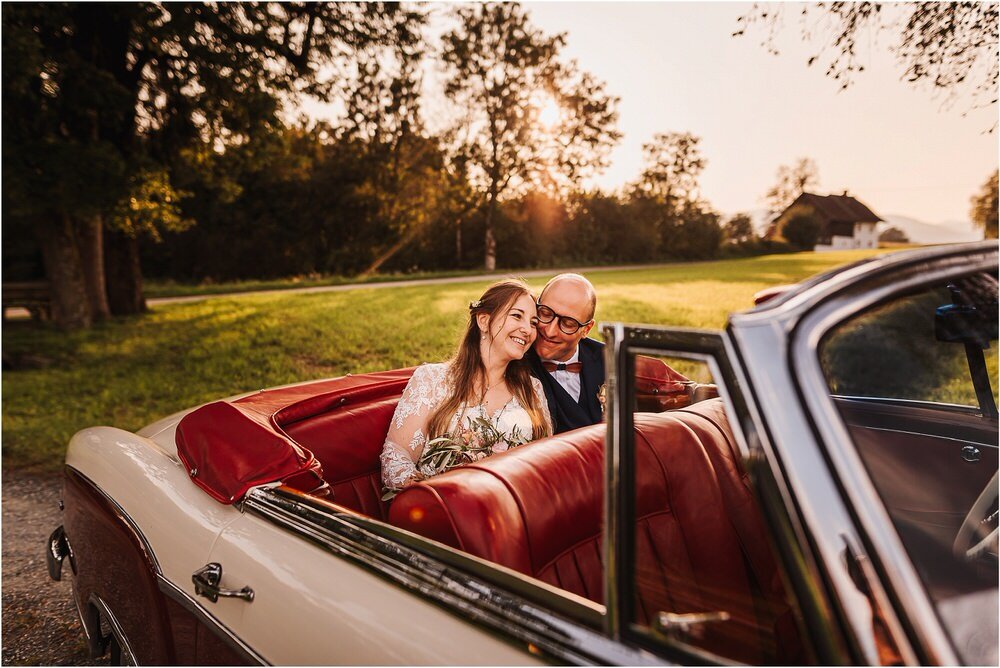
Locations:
(484, 397)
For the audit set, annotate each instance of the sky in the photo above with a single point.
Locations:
(677, 68)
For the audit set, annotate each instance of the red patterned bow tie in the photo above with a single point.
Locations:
(572, 367)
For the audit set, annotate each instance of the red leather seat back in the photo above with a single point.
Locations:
(347, 441)
(535, 509)
(538, 509)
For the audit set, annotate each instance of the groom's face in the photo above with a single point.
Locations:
(565, 298)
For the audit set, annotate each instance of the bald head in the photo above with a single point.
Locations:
(574, 288)
(572, 298)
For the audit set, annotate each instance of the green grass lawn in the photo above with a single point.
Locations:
(157, 288)
(132, 371)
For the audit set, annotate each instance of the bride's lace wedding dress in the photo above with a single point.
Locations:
(427, 389)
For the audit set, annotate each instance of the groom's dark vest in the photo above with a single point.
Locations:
(567, 413)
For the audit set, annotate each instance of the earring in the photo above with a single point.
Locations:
(483, 337)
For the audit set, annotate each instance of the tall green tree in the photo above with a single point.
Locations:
(502, 74)
(984, 207)
(98, 93)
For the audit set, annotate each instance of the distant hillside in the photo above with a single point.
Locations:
(920, 232)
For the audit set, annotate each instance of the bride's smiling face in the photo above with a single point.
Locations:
(513, 332)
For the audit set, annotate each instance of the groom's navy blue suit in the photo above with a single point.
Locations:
(567, 413)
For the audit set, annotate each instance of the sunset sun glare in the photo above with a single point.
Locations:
(549, 112)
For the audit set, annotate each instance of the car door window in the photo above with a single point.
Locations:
(915, 381)
(914, 347)
(700, 572)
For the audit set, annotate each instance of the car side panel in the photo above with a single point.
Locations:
(110, 561)
(146, 492)
(312, 607)
(177, 520)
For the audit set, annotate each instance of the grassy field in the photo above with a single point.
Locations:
(132, 371)
(156, 288)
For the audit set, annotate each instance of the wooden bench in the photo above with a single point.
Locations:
(33, 296)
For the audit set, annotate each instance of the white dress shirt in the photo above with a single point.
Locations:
(570, 381)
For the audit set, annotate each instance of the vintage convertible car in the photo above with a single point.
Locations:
(837, 503)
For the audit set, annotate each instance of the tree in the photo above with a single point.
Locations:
(96, 93)
(406, 178)
(894, 235)
(950, 45)
(801, 229)
(667, 193)
(984, 208)
(502, 74)
(673, 163)
(792, 181)
(739, 228)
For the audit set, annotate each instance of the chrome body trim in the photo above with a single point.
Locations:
(168, 588)
(470, 597)
(57, 549)
(912, 600)
(975, 444)
(128, 656)
(972, 410)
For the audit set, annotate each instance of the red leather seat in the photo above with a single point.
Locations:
(708, 420)
(347, 442)
(538, 508)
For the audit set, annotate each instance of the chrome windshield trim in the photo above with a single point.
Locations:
(168, 588)
(511, 617)
(911, 595)
(617, 420)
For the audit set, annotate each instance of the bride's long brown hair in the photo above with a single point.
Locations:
(466, 370)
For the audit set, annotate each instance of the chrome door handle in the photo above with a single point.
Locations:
(673, 625)
(206, 583)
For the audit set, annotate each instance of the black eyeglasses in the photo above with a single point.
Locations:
(567, 324)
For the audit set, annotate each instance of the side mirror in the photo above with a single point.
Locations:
(964, 321)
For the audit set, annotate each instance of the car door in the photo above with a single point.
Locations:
(848, 384)
(320, 597)
(752, 586)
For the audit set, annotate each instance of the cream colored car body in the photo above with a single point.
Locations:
(309, 608)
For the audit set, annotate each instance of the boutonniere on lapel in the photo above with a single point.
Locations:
(602, 396)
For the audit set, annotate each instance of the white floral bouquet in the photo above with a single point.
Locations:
(477, 441)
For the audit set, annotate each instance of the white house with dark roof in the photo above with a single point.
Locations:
(845, 223)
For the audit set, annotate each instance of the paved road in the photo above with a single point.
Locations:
(19, 313)
(40, 625)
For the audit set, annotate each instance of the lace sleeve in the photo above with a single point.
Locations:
(406, 437)
(536, 385)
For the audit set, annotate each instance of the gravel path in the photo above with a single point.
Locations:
(40, 625)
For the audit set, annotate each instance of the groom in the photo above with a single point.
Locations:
(570, 366)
